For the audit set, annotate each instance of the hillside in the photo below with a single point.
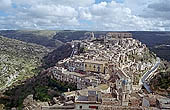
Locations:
(53, 57)
(163, 51)
(41, 37)
(160, 84)
(18, 60)
(42, 85)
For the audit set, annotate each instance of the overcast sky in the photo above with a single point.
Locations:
(115, 15)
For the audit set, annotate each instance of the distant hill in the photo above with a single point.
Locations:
(41, 37)
(68, 36)
(157, 42)
(47, 38)
(152, 38)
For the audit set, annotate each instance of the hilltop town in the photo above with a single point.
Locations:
(109, 72)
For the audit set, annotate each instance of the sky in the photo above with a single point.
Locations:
(100, 15)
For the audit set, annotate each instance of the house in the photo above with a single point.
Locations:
(87, 102)
(163, 103)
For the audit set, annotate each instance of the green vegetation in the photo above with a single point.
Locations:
(21, 65)
(163, 81)
(41, 93)
(42, 87)
(62, 86)
(18, 60)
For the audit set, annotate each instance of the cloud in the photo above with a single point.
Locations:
(158, 9)
(71, 3)
(76, 3)
(86, 14)
(5, 4)
(115, 16)
(52, 10)
(42, 16)
(161, 6)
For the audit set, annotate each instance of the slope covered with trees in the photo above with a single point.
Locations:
(18, 60)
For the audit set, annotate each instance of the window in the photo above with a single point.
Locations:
(98, 68)
(81, 107)
(93, 107)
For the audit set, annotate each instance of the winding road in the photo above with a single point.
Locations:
(148, 74)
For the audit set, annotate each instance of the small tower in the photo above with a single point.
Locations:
(92, 36)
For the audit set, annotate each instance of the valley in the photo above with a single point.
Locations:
(18, 60)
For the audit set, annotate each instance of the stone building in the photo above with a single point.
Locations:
(119, 34)
(163, 103)
(123, 87)
(75, 65)
(87, 102)
(95, 66)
